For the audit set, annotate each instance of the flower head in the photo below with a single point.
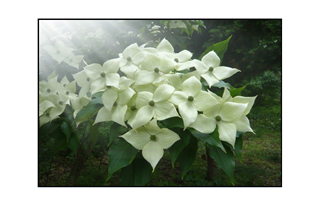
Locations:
(151, 140)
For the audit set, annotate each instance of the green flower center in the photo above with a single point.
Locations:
(61, 103)
(133, 108)
(115, 104)
(67, 92)
(218, 118)
(47, 114)
(64, 85)
(102, 74)
(153, 138)
(151, 103)
(210, 69)
(176, 60)
(88, 79)
(190, 98)
(129, 59)
(48, 90)
(156, 70)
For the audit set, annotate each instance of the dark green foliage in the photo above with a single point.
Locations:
(211, 139)
(188, 155)
(224, 160)
(179, 145)
(121, 154)
(138, 173)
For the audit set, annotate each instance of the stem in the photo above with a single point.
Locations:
(155, 175)
(210, 166)
(79, 159)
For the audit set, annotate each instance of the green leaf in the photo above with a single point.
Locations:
(121, 154)
(173, 122)
(59, 144)
(94, 135)
(96, 98)
(178, 146)
(239, 133)
(219, 48)
(190, 29)
(49, 127)
(238, 148)
(88, 111)
(114, 131)
(73, 143)
(66, 130)
(60, 141)
(188, 155)
(200, 22)
(138, 173)
(235, 92)
(212, 139)
(222, 84)
(224, 160)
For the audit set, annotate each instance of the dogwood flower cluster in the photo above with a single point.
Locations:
(62, 53)
(158, 84)
(55, 95)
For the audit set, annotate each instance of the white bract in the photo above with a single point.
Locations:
(243, 124)
(177, 24)
(130, 59)
(103, 76)
(151, 140)
(84, 81)
(59, 51)
(166, 50)
(152, 69)
(225, 115)
(191, 100)
(52, 112)
(154, 105)
(111, 93)
(73, 61)
(50, 86)
(118, 110)
(209, 68)
(214, 71)
(67, 89)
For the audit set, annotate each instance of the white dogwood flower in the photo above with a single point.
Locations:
(130, 59)
(214, 72)
(154, 105)
(225, 115)
(152, 140)
(166, 50)
(152, 68)
(191, 100)
(103, 76)
(243, 124)
(59, 51)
